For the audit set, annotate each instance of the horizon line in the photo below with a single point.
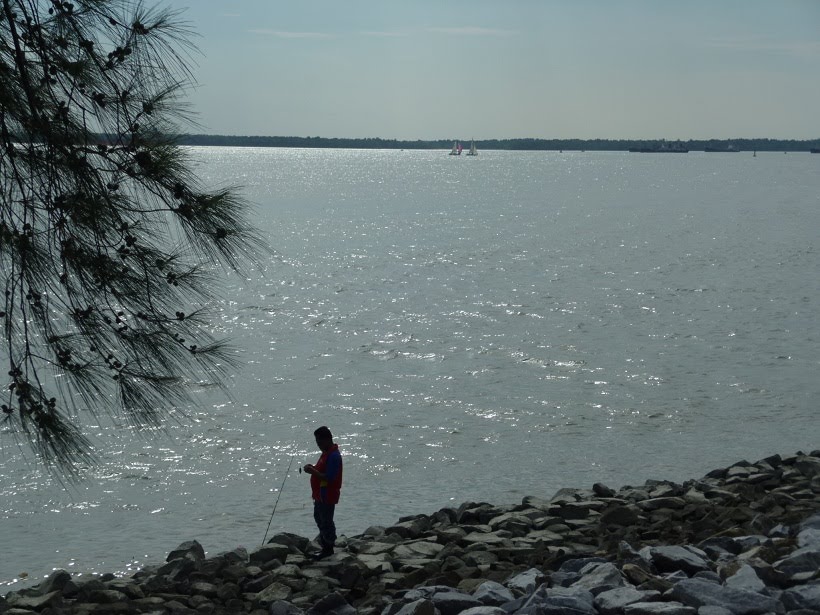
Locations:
(416, 140)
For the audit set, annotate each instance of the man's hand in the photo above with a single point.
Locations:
(310, 469)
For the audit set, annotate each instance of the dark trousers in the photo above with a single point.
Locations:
(323, 515)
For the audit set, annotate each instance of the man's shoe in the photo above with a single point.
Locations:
(322, 554)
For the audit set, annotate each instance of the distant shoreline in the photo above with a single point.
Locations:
(693, 145)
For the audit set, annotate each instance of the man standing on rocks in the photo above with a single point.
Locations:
(326, 485)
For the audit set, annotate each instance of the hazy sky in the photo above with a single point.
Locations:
(428, 69)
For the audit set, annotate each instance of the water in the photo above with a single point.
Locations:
(470, 329)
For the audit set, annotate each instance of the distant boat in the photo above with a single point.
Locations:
(457, 147)
(473, 151)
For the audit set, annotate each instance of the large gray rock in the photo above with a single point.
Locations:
(659, 608)
(599, 577)
(810, 537)
(281, 607)
(697, 592)
(190, 548)
(421, 606)
(34, 603)
(620, 515)
(106, 596)
(673, 558)
(812, 522)
(614, 601)
(257, 584)
(56, 581)
(488, 539)
(178, 569)
(273, 593)
(376, 548)
(294, 541)
(269, 552)
(417, 550)
(512, 521)
(746, 579)
(558, 601)
(454, 602)
(129, 587)
(426, 592)
(235, 556)
(662, 502)
(805, 597)
(492, 593)
(526, 582)
(332, 604)
(805, 561)
(576, 565)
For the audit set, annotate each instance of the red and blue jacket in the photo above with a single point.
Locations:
(327, 490)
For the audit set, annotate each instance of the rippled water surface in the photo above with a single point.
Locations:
(470, 329)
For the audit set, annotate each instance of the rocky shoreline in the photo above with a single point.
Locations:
(742, 540)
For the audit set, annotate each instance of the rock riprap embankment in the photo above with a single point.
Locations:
(742, 540)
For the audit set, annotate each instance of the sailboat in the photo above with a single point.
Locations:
(457, 147)
(473, 151)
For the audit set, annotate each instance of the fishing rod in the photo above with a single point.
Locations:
(275, 504)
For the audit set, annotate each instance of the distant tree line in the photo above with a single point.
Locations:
(761, 145)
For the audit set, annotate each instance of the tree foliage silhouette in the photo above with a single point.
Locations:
(108, 240)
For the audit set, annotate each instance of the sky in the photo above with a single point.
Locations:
(497, 69)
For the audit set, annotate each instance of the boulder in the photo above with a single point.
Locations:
(697, 593)
(417, 549)
(746, 578)
(659, 608)
(256, 585)
(613, 601)
(269, 552)
(34, 603)
(190, 548)
(273, 593)
(805, 597)
(422, 606)
(56, 581)
(526, 582)
(294, 541)
(577, 564)
(492, 593)
(599, 577)
(281, 607)
(454, 602)
(801, 564)
(602, 491)
(559, 601)
(620, 515)
(332, 604)
(234, 556)
(809, 537)
(672, 503)
(673, 558)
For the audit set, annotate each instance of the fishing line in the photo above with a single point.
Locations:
(275, 504)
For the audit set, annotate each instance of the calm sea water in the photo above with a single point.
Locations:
(470, 329)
